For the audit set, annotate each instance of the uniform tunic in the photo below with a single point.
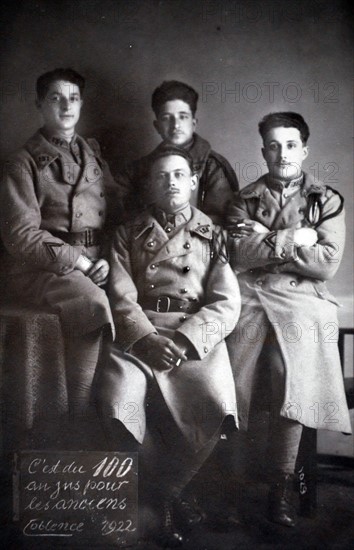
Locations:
(49, 186)
(217, 180)
(146, 264)
(283, 286)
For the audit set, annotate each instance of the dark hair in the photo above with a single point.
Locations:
(46, 79)
(173, 89)
(168, 151)
(287, 120)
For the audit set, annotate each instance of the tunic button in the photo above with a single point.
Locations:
(186, 269)
(96, 171)
(182, 319)
(205, 350)
(184, 290)
(186, 245)
(153, 266)
(283, 255)
(259, 282)
(168, 230)
(285, 195)
(78, 214)
(293, 283)
(265, 213)
(151, 286)
(150, 244)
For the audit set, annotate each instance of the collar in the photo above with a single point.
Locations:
(44, 152)
(280, 185)
(258, 188)
(173, 220)
(199, 223)
(58, 140)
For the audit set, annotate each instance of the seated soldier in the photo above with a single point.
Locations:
(167, 381)
(53, 211)
(174, 104)
(287, 240)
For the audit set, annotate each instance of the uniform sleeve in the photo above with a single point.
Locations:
(21, 232)
(322, 260)
(258, 249)
(131, 322)
(218, 186)
(221, 309)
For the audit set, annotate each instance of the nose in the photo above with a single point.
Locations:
(282, 152)
(171, 180)
(64, 104)
(175, 123)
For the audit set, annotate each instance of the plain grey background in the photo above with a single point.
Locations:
(245, 58)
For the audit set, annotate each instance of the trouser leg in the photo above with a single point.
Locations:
(81, 358)
(284, 434)
(167, 460)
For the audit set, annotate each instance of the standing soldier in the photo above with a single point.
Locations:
(175, 104)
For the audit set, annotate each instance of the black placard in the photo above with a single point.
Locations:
(77, 496)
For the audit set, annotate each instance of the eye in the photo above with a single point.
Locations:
(273, 147)
(55, 98)
(292, 145)
(74, 99)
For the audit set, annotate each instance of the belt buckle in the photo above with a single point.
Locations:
(88, 237)
(163, 304)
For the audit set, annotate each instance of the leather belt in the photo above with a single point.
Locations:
(164, 304)
(88, 237)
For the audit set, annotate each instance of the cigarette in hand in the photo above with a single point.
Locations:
(240, 225)
(178, 362)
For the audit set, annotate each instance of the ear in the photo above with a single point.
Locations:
(38, 103)
(194, 181)
(263, 152)
(305, 152)
(195, 122)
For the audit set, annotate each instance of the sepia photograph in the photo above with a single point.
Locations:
(176, 274)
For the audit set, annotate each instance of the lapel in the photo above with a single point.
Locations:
(91, 171)
(294, 211)
(156, 242)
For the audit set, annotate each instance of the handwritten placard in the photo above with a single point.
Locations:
(77, 496)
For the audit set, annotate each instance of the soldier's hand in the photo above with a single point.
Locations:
(306, 236)
(159, 352)
(99, 272)
(245, 227)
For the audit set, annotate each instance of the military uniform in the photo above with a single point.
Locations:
(283, 288)
(171, 280)
(172, 284)
(216, 180)
(53, 207)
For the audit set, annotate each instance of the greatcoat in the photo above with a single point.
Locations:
(41, 193)
(145, 265)
(284, 284)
